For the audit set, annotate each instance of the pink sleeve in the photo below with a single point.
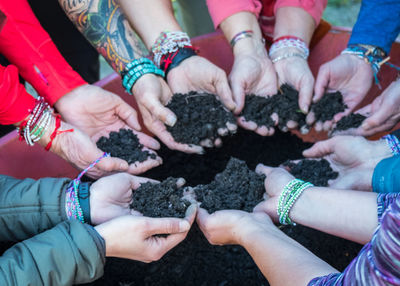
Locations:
(313, 7)
(222, 9)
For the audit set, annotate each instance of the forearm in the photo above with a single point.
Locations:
(28, 207)
(344, 213)
(282, 260)
(294, 21)
(107, 29)
(149, 18)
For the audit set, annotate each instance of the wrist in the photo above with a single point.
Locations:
(249, 46)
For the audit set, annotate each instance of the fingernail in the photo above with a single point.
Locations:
(304, 108)
(184, 226)
(171, 120)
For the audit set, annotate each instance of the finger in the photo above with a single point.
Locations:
(190, 214)
(232, 127)
(321, 149)
(327, 125)
(238, 95)
(137, 181)
(206, 143)
(340, 115)
(112, 164)
(306, 93)
(160, 112)
(218, 142)
(168, 140)
(310, 118)
(202, 217)
(180, 182)
(321, 83)
(376, 119)
(148, 141)
(224, 92)
(292, 124)
(128, 114)
(223, 131)
(263, 131)
(249, 125)
(138, 168)
(262, 169)
(166, 226)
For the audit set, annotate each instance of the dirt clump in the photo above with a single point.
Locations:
(329, 105)
(317, 172)
(124, 144)
(352, 120)
(237, 187)
(258, 109)
(200, 115)
(160, 200)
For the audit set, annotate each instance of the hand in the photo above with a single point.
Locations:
(152, 94)
(353, 157)
(230, 226)
(348, 74)
(111, 196)
(276, 179)
(135, 237)
(383, 113)
(252, 73)
(296, 72)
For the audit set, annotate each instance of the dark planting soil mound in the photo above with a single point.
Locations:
(329, 105)
(237, 187)
(259, 110)
(352, 120)
(317, 172)
(199, 117)
(160, 200)
(195, 261)
(125, 145)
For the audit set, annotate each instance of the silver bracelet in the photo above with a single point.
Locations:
(289, 55)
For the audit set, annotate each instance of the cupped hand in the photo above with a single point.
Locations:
(111, 196)
(137, 237)
(230, 226)
(383, 113)
(252, 73)
(152, 94)
(353, 157)
(348, 74)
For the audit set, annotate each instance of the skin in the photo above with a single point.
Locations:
(353, 157)
(195, 73)
(282, 260)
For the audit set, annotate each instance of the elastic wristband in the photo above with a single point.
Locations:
(84, 200)
(181, 55)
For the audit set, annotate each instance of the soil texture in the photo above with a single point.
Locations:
(196, 262)
(259, 110)
(317, 172)
(352, 120)
(329, 105)
(200, 115)
(160, 200)
(237, 187)
(124, 144)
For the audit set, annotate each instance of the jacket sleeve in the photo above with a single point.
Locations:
(378, 24)
(28, 46)
(313, 7)
(15, 102)
(68, 254)
(386, 176)
(29, 207)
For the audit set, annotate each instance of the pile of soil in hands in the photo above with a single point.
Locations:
(317, 172)
(258, 109)
(237, 187)
(124, 144)
(328, 106)
(353, 120)
(200, 115)
(160, 200)
(196, 262)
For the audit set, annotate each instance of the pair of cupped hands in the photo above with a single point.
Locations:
(353, 157)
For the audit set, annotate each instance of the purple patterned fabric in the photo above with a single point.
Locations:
(378, 263)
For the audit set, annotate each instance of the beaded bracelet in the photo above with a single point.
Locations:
(286, 42)
(393, 142)
(291, 192)
(72, 206)
(135, 70)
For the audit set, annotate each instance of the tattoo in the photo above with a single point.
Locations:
(107, 29)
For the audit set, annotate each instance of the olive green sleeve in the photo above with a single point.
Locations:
(29, 207)
(70, 253)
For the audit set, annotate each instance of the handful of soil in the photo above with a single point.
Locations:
(317, 172)
(160, 200)
(329, 105)
(200, 115)
(259, 110)
(237, 187)
(353, 120)
(125, 145)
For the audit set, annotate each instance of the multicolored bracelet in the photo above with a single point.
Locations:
(73, 208)
(170, 61)
(288, 42)
(291, 192)
(135, 70)
(393, 142)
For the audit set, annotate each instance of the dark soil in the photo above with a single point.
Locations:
(195, 261)
(237, 187)
(200, 115)
(353, 120)
(317, 172)
(329, 105)
(160, 200)
(125, 145)
(259, 110)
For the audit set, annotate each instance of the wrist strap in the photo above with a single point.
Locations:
(84, 201)
(173, 60)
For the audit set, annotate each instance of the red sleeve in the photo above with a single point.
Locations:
(28, 46)
(15, 102)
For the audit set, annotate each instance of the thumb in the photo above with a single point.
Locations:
(161, 112)
(166, 226)
(305, 95)
(238, 94)
(262, 169)
(376, 119)
(320, 149)
(128, 114)
(321, 83)
(112, 164)
(224, 92)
